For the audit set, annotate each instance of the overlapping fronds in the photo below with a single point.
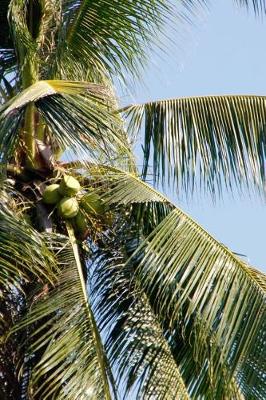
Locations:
(92, 37)
(76, 113)
(217, 139)
(142, 361)
(112, 35)
(24, 258)
(23, 252)
(215, 294)
(72, 364)
(195, 282)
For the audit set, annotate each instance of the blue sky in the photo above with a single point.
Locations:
(224, 53)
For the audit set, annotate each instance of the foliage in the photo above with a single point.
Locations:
(126, 296)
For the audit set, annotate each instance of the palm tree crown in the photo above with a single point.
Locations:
(108, 290)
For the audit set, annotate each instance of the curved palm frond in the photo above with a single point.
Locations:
(76, 113)
(71, 360)
(194, 281)
(113, 36)
(24, 258)
(142, 361)
(219, 139)
(216, 295)
(110, 36)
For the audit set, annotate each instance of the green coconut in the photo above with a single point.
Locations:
(92, 203)
(81, 223)
(51, 194)
(68, 207)
(69, 186)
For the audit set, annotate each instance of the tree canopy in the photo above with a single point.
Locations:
(108, 290)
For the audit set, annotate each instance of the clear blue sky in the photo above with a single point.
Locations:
(224, 53)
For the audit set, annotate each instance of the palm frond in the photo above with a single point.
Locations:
(219, 139)
(194, 281)
(23, 252)
(140, 356)
(76, 113)
(122, 188)
(115, 37)
(222, 300)
(112, 36)
(24, 258)
(8, 68)
(64, 336)
(43, 89)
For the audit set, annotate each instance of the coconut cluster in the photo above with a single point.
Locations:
(72, 203)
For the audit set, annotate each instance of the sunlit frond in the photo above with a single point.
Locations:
(212, 140)
(142, 361)
(76, 113)
(214, 293)
(195, 282)
(112, 36)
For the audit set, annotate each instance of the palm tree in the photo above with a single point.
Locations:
(107, 289)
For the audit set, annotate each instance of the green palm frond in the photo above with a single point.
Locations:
(90, 37)
(122, 189)
(140, 356)
(48, 88)
(20, 242)
(76, 113)
(215, 140)
(111, 36)
(115, 36)
(24, 258)
(64, 336)
(192, 279)
(215, 294)
(8, 59)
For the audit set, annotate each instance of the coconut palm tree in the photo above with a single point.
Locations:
(107, 289)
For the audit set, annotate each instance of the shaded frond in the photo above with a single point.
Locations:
(217, 139)
(24, 258)
(23, 252)
(115, 36)
(71, 360)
